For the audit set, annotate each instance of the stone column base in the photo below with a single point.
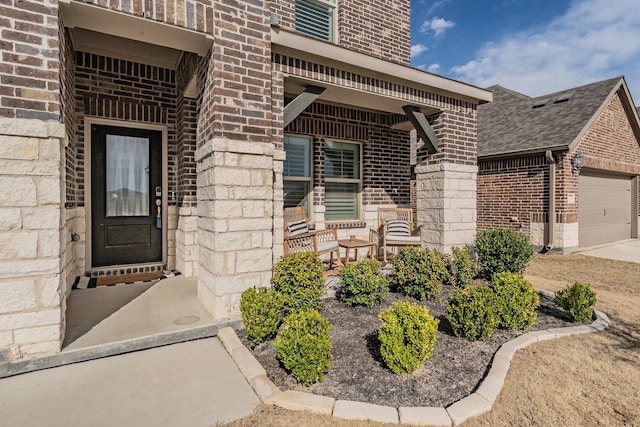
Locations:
(235, 221)
(187, 241)
(565, 239)
(446, 200)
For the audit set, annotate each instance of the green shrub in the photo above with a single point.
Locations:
(578, 300)
(517, 300)
(303, 345)
(262, 310)
(501, 250)
(472, 312)
(462, 269)
(407, 336)
(419, 272)
(362, 283)
(300, 277)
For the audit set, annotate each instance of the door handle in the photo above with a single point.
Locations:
(158, 213)
(605, 212)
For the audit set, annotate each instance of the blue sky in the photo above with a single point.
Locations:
(531, 46)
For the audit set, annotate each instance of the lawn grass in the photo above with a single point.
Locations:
(584, 380)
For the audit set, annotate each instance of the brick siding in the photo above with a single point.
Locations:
(29, 60)
(512, 188)
(456, 129)
(68, 108)
(186, 130)
(236, 101)
(610, 143)
(377, 28)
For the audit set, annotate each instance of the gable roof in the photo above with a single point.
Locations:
(515, 123)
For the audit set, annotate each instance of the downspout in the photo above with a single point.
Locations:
(551, 213)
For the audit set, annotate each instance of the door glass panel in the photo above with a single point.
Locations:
(127, 176)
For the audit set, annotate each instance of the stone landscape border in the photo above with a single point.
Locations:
(477, 403)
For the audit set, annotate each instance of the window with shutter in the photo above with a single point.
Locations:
(297, 172)
(342, 180)
(316, 18)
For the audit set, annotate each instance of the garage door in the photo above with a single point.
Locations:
(605, 208)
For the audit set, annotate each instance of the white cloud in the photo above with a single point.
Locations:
(417, 49)
(435, 6)
(437, 25)
(593, 40)
(433, 68)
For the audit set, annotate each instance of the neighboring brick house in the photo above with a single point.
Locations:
(108, 107)
(578, 148)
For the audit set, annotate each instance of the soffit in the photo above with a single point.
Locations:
(90, 17)
(122, 48)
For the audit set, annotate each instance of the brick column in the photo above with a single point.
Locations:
(235, 159)
(32, 238)
(446, 186)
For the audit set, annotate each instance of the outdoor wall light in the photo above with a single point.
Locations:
(577, 162)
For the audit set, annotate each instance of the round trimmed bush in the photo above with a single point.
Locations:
(419, 272)
(262, 310)
(362, 283)
(303, 346)
(462, 268)
(577, 300)
(501, 250)
(517, 300)
(407, 334)
(300, 277)
(472, 312)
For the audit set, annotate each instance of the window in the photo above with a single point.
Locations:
(342, 180)
(297, 172)
(316, 18)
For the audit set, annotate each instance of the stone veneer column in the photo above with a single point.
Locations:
(446, 194)
(187, 241)
(32, 238)
(235, 221)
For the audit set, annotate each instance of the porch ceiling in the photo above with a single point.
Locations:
(353, 97)
(98, 19)
(122, 48)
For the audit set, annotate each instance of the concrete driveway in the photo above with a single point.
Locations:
(625, 250)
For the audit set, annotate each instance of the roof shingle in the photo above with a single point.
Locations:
(509, 124)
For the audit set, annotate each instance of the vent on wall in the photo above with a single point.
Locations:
(315, 18)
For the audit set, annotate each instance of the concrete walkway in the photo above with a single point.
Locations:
(189, 384)
(626, 250)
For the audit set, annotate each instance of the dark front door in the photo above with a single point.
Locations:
(126, 195)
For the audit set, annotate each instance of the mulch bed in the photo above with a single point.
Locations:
(358, 373)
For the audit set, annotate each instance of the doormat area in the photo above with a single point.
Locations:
(83, 282)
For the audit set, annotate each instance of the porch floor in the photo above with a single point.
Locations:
(106, 315)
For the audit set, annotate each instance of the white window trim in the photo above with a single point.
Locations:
(308, 179)
(347, 180)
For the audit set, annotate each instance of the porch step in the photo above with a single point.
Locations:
(171, 305)
(167, 313)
